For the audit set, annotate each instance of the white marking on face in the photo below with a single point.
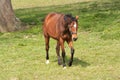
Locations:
(75, 25)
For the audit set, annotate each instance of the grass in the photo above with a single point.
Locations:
(42, 3)
(23, 57)
(97, 54)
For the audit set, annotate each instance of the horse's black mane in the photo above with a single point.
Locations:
(70, 16)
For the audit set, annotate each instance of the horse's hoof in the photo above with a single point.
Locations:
(59, 63)
(47, 62)
(70, 64)
(64, 67)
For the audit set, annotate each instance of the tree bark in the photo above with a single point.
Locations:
(8, 20)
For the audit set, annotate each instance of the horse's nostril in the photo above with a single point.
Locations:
(74, 39)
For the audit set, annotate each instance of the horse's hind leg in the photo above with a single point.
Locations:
(58, 52)
(47, 48)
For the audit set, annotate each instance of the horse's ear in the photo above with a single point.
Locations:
(67, 18)
(77, 17)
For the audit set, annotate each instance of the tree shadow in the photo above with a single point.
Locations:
(98, 11)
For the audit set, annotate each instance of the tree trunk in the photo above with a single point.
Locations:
(8, 21)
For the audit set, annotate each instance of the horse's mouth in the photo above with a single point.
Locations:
(75, 39)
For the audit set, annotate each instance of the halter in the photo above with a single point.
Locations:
(73, 32)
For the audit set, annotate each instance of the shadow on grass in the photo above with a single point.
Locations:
(78, 62)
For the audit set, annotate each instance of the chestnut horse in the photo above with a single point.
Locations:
(62, 28)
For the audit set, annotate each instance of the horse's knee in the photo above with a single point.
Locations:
(47, 48)
(72, 50)
(56, 48)
(63, 54)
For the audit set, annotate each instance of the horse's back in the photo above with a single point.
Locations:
(51, 24)
(52, 18)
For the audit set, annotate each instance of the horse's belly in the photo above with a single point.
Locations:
(53, 35)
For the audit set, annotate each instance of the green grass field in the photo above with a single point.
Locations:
(43, 3)
(97, 51)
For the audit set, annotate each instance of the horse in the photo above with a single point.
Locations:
(62, 28)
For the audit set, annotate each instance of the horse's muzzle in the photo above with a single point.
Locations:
(74, 39)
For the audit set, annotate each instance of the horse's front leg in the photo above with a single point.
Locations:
(70, 43)
(58, 52)
(63, 52)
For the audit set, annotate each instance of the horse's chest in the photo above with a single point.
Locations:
(66, 36)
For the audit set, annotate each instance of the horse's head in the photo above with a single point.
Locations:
(72, 24)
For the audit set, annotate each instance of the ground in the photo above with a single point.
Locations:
(97, 53)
